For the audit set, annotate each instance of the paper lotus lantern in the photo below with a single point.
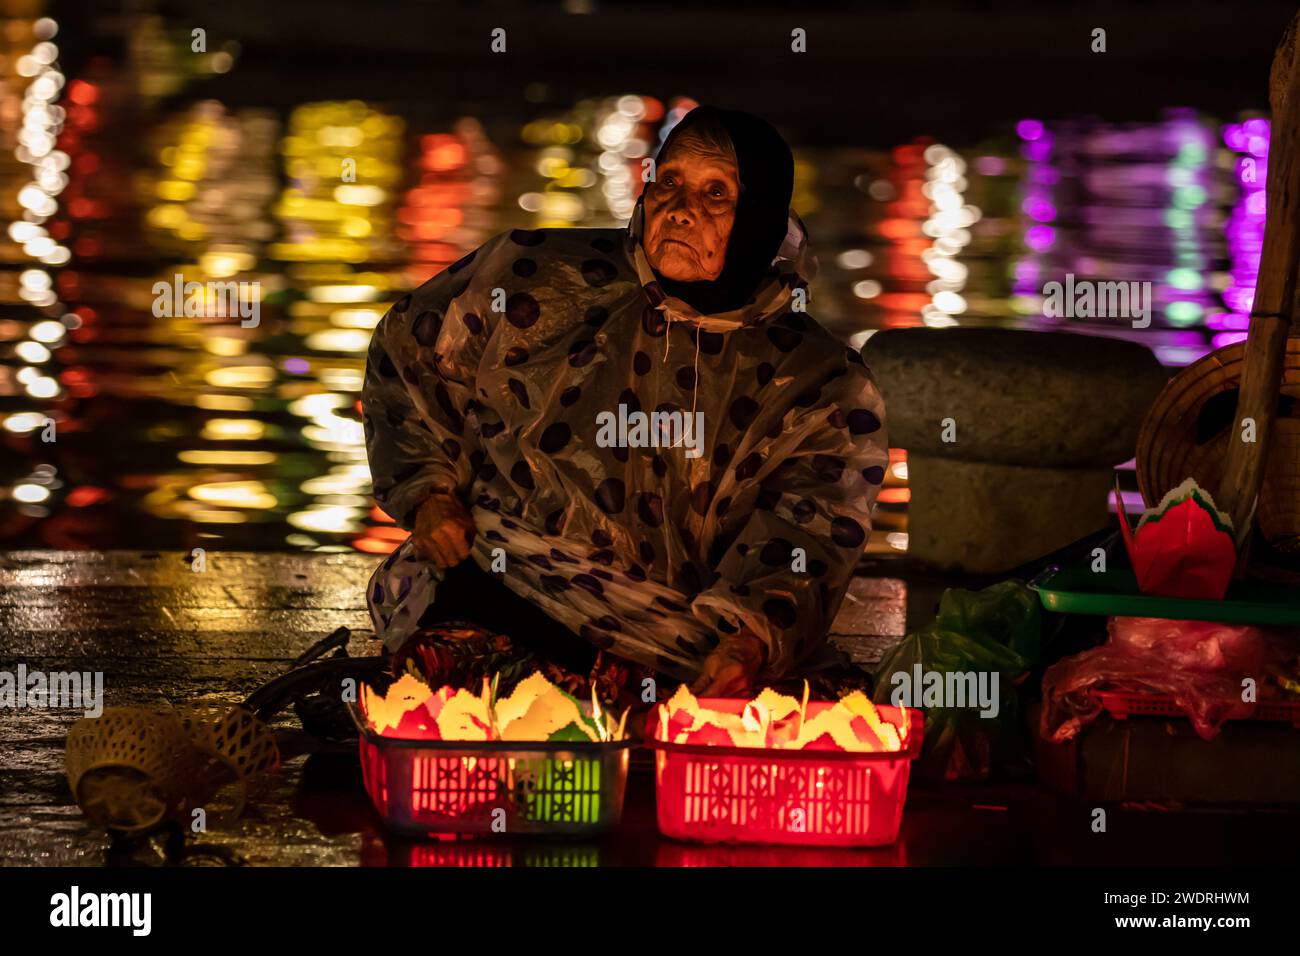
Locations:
(1183, 547)
(777, 722)
(536, 710)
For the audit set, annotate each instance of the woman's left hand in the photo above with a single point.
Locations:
(732, 667)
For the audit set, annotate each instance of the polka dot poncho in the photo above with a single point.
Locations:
(492, 380)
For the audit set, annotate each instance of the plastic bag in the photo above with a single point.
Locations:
(994, 631)
(1200, 664)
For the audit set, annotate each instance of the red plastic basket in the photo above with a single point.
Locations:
(1122, 704)
(806, 797)
(503, 788)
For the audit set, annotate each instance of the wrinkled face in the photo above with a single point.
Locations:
(689, 210)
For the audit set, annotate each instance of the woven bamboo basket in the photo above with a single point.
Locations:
(132, 769)
(238, 751)
(1188, 428)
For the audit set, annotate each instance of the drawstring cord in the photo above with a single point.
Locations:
(695, 375)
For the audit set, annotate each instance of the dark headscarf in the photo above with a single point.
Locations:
(766, 169)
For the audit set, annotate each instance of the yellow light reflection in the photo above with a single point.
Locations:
(343, 379)
(212, 516)
(234, 494)
(233, 429)
(337, 520)
(224, 346)
(221, 264)
(227, 458)
(340, 481)
(344, 293)
(339, 340)
(356, 318)
(241, 376)
(358, 195)
(224, 403)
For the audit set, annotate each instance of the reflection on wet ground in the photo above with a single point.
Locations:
(139, 411)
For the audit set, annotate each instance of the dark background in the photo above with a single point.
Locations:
(875, 73)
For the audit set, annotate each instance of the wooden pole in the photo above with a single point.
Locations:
(1275, 290)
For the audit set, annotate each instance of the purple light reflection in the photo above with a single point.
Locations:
(1040, 238)
(1244, 229)
(1030, 129)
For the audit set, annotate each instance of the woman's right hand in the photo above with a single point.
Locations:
(443, 531)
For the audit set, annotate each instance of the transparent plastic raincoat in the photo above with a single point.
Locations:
(493, 380)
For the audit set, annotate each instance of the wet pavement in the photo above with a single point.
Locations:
(161, 632)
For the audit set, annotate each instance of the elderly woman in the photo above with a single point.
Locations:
(510, 421)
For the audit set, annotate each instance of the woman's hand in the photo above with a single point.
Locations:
(443, 531)
(732, 667)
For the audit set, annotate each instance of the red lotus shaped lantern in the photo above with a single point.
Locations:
(1183, 547)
